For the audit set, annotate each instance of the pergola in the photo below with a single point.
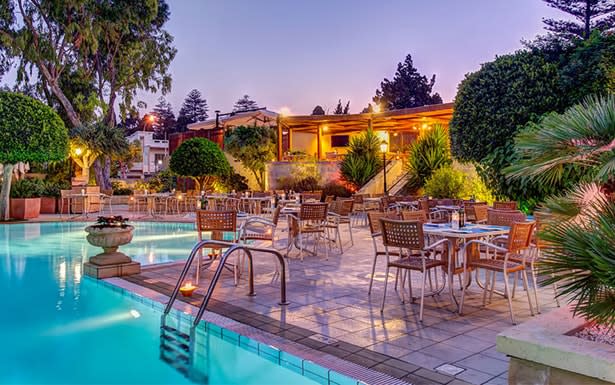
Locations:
(406, 120)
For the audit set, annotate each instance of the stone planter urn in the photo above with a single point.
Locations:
(111, 262)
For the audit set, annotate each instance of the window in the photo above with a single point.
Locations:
(339, 140)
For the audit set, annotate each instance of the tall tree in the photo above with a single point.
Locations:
(407, 89)
(340, 109)
(244, 104)
(318, 110)
(116, 48)
(164, 122)
(193, 110)
(253, 147)
(590, 15)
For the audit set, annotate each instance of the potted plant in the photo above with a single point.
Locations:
(110, 233)
(49, 197)
(26, 199)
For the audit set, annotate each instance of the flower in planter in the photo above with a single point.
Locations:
(114, 221)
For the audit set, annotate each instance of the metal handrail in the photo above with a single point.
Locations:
(232, 247)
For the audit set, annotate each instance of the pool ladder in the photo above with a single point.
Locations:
(176, 347)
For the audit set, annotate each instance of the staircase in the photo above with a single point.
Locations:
(395, 174)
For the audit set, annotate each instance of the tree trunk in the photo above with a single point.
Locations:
(98, 172)
(57, 91)
(5, 193)
(107, 174)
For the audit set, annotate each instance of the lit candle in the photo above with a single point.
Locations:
(82, 191)
(187, 289)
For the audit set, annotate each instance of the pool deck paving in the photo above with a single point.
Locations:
(330, 311)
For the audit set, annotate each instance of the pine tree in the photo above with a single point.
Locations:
(318, 110)
(245, 104)
(590, 15)
(164, 122)
(194, 109)
(407, 89)
(340, 109)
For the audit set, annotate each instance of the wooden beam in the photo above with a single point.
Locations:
(318, 142)
(280, 138)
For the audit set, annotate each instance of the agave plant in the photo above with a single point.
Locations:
(431, 151)
(362, 161)
(580, 225)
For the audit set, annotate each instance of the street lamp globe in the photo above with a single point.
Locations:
(384, 146)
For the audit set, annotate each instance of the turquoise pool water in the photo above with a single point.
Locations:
(57, 326)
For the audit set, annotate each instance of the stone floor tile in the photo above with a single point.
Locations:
(434, 334)
(493, 353)
(468, 343)
(446, 352)
(474, 376)
(389, 349)
(411, 342)
(434, 376)
(390, 370)
(484, 364)
(418, 380)
(422, 359)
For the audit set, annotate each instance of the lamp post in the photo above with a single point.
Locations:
(383, 149)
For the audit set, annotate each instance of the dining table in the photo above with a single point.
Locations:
(457, 237)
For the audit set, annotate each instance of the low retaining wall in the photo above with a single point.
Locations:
(543, 352)
(327, 171)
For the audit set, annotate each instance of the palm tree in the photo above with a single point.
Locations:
(362, 161)
(431, 151)
(579, 225)
(103, 142)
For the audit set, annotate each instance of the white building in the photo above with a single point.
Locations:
(154, 153)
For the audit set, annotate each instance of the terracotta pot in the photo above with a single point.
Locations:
(48, 205)
(109, 238)
(25, 208)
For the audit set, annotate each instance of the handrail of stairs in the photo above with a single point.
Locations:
(232, 247)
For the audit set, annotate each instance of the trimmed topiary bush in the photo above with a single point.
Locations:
(200, 159)
(30, 131)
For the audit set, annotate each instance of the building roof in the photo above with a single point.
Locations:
(394, 120)
(260, 117)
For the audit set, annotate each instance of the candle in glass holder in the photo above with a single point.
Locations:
(82, 191)
(187, 289)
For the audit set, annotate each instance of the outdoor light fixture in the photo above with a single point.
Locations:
(78, 151)
(383, 148)
(325, 128)
(151, 118)
(376, 108)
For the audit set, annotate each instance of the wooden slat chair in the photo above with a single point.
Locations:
(339, 214)
(505, 205)
(518, 242)
(476, 213)
(435, 215)
(261, 229)
(311, 221)
(376, 234)
(306, 197)
(218, 223)
(408, 236)
(504, 217)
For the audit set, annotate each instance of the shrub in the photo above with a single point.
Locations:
(120, 189)
(162, 181)
(446, 182)
(428, 153)
(308, 183)
(336, 189)
(27, 188)
(200, 159)
(52, 189)
(362, 161)
(233, 181)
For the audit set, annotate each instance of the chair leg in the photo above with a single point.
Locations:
(508, 297)
(535, 284)
(527, 290)
(386, 281)
(371, 277)
(422, 296)
(350, 232)
(492, 288)
(463, 291)
(486, 288)
(410, 285)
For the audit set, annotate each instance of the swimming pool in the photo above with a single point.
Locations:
(60, 327)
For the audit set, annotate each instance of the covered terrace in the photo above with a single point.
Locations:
(326, 136)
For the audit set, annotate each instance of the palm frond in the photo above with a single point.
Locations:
(584, 135)
(580, 257)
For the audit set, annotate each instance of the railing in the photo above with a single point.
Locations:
(232, 247)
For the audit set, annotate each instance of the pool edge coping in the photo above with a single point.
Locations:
(329, 362)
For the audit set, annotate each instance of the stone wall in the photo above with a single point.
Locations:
(521, 372)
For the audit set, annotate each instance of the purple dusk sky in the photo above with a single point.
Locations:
(302, 53)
